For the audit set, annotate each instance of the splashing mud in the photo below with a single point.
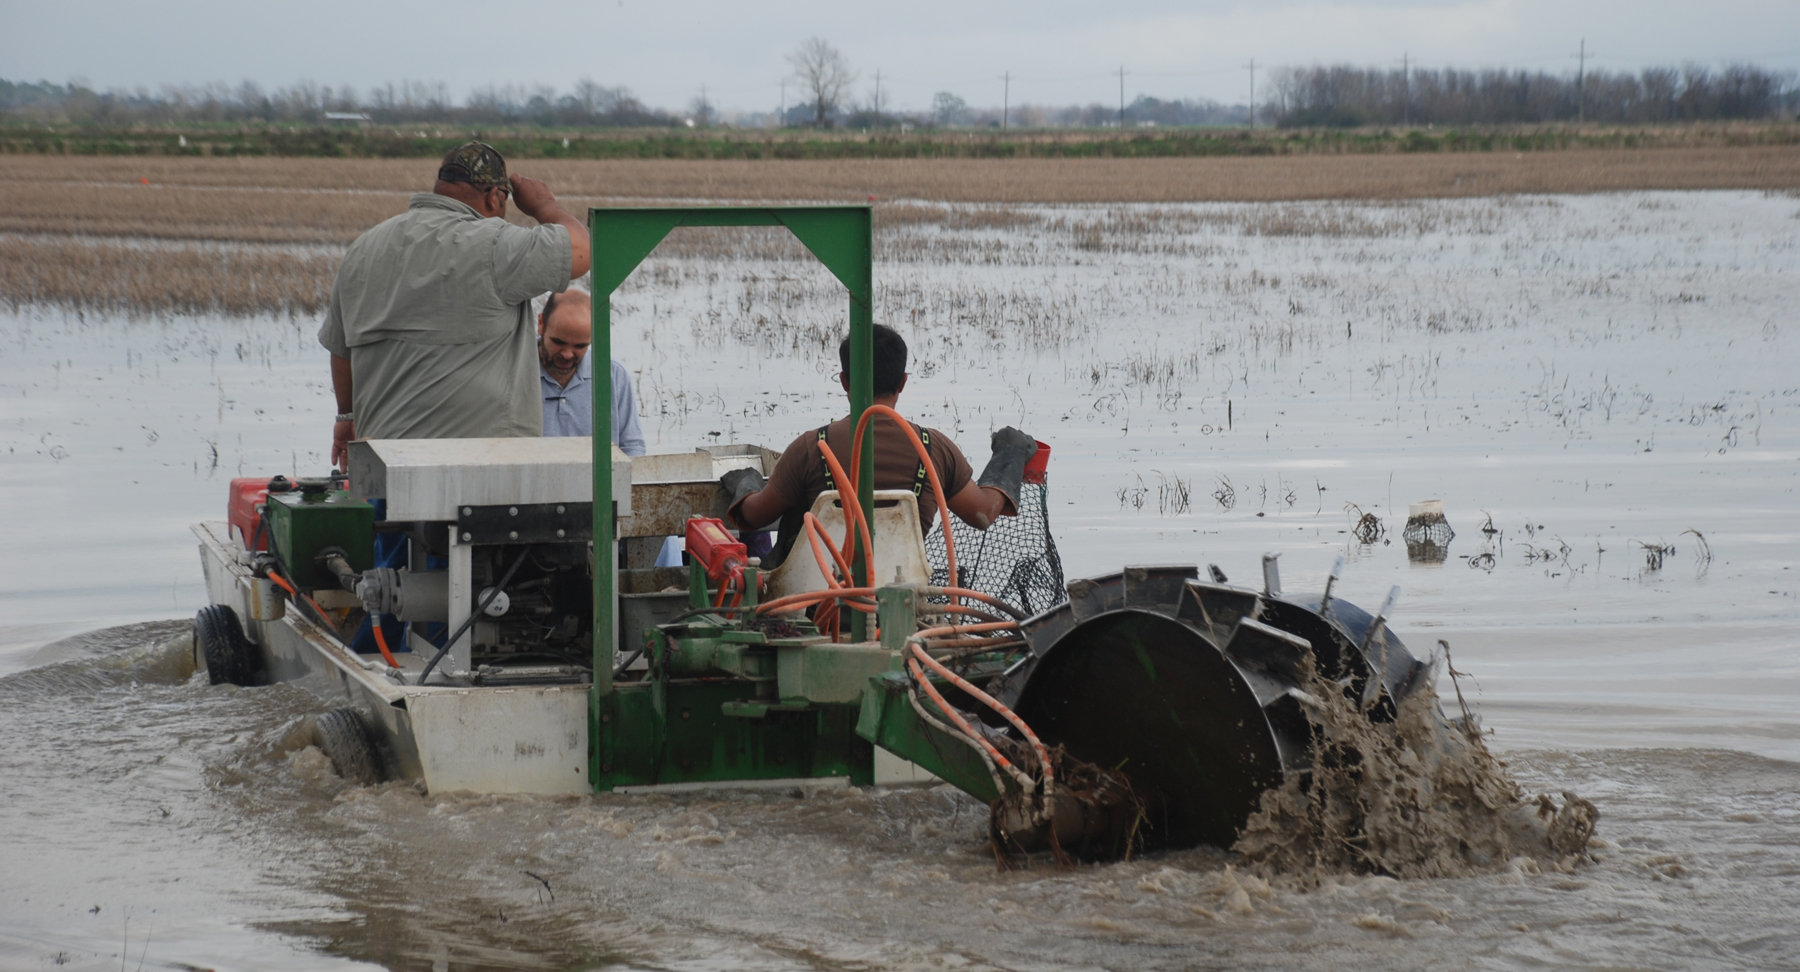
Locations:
(196, 824)
(1409, 796)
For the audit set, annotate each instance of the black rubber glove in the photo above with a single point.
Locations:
(738, 484)
(1005, 470)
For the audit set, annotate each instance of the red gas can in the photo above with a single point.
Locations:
(243, 510)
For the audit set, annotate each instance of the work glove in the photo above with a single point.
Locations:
(739, 483)
(1005, 470)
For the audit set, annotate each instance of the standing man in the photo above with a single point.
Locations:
(429, 326)
(565, 330)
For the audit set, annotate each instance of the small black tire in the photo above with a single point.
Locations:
(227, 653)
(341, 736)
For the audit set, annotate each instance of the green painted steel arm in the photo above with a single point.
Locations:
(889, 721)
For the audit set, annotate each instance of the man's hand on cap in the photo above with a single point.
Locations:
(532, 196)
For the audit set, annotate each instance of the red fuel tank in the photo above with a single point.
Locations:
(243, 510)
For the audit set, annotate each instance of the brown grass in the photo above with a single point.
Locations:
(950, 211)
(187, 213)
(112, 277)
(979, 180)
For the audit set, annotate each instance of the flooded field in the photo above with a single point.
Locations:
(1601, 390)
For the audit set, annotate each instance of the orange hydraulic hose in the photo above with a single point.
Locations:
(1043, 754)
(965, 644)
(956, 717)
(977, 595)
(381, 641)
(853, 511)
(937, 486)
(815, 533)
(806, 597)
(281, 582)
(956, 629)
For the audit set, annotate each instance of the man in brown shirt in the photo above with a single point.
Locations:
(802, 474)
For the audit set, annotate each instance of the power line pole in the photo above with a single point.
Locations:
(705, 106)
(1006, 98)
(1121, 97)
(1581, 84)
(781, 120)
(1405, 89)
(878, 97)
(1253, 92)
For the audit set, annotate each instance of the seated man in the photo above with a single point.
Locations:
(565, 329)
(801, 475)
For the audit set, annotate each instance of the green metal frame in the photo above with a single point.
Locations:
(621, 238)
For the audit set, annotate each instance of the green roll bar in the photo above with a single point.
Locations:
(621, 237)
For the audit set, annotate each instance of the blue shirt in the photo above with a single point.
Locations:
(570, 410)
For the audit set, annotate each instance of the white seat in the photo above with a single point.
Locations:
(899, 545)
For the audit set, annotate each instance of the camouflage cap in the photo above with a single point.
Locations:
(476, 163)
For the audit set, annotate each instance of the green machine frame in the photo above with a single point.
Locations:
(640, 739)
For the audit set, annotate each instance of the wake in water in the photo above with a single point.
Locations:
(1417, 796)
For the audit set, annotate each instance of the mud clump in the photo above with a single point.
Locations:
(1412, 796)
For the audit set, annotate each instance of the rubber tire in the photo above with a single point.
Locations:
(228, 654)
(341, 735)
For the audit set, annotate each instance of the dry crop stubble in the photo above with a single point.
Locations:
(948, 212)
(1099, 180)
(110, 277)
(186, 213)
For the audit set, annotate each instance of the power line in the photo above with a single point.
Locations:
(1581, 85)
(1253, 92)
(1121, 75)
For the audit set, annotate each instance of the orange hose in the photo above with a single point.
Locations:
(937, 486)
(956, 716)
(815, 533)
(1043, 754)
(853, 511)
(381, 641)
(962, 644)
(977, 595)
(806, 597)
(952, 629)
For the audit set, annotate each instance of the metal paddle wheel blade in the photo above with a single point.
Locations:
(1195, 691)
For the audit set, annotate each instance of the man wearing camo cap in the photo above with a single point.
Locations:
(430, 326)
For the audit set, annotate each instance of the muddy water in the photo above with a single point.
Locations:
(1598, 374)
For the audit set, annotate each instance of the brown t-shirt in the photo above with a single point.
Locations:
(800, 476)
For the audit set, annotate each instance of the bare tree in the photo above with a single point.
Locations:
(824, 74)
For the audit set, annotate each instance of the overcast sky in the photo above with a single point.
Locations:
(1059, 51)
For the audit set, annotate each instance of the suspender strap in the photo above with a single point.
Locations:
(921, 478)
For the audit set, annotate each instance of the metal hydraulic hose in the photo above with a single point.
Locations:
(469, 621)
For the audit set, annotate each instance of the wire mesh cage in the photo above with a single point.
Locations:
(1014, 559)
(1427, 532)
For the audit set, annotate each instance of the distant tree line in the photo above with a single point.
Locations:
(587, 104)
(1345, 96)
(1320, 96)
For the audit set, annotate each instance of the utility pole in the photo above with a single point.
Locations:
(878, 97)
(1253, 92)
(1581, 84)
(1121, 97)
(705, 106)
(781, 119)
(1405, 89)
(1005, 98)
